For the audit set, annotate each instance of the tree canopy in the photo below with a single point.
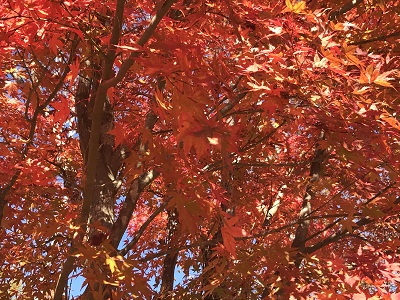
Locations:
(252, 145)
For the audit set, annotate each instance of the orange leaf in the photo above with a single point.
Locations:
(62, 110)
(383, 83)
(229, 241)
(118, 133)
(382, 79)
(55, 44)
(390, 120)
(74, 71)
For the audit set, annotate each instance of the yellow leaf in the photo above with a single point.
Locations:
(354, 59)
(338, 26)
(383, 83)
(381, 4)
(297, 8)
(160, 100)
(364, 78)
(370, 69)
(289, 4)
(331, 57)
(112, 264)
(111, 283)
(349, 49)
(382, 79)
(252, 68)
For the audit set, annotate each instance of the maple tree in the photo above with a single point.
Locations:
(252, 145)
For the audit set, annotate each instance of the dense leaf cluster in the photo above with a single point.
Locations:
(252, 146)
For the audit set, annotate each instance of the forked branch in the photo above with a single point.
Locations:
(96, 126)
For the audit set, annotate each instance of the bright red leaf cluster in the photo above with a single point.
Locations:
(252, 145)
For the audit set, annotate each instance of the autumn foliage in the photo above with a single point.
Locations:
(252, 146)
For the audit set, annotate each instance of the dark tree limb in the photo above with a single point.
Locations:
(95, 131)
(376, 39)
(137, 187)
(167, 277)
(142, 228)
(141, 42)
(344, 9)
(358, 224)
(303, 222)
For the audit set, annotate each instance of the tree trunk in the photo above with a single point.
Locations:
(109, 160)
(167, 278)
(210, 259)
(300, 238)
(301, 234)
(102, 215)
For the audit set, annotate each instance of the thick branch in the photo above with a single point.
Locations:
(200, 244)
(143, 228)
(217, 165)
(4, 193)
(376, 39)
(272, 209)
(167, 277)
(227, 182)
(360, 223)
(304, 223)
(97, 115)
(336, 236)
(344, 9)
(141, 42)
(137, 186)
(254, 143)
(129, 206)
